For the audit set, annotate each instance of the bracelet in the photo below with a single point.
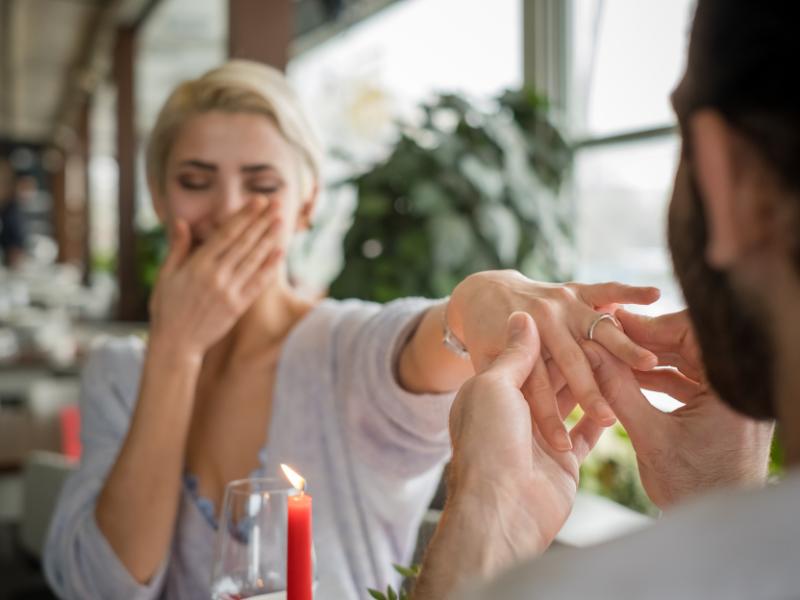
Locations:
(450, 340)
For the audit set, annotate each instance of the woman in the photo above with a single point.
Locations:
(240, 373)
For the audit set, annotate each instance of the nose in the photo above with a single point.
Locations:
(231, 199)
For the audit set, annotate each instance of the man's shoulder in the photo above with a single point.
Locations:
(735, 545)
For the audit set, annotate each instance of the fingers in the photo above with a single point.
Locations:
(253, 287)
(677, 361)
(666, 332)
(256, 253)
(180, 244)
(557, 381)
(584, 437)
(521, 351)
(566, 402)
(631, 407)
(620, 345)
(602, 294)
(670, 337)
(577, 372)
(230, 233)
(260, 230)
(544, 408)
(671, 383)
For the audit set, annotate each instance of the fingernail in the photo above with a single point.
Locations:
(516, 324)
(648, 361)
(562, 440)
(603, 413)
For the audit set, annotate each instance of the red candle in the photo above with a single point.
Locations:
(299, 565)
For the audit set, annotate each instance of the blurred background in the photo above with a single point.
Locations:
(461, 135)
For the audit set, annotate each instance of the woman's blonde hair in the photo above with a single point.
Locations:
(238, 86)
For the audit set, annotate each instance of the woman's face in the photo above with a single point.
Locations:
(219, 163)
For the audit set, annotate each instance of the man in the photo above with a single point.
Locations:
(735, 242)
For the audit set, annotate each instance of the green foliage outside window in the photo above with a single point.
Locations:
(467, 190)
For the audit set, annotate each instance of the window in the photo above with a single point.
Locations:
(359, 83)
(627, 56)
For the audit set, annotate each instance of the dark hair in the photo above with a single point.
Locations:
(743, 61)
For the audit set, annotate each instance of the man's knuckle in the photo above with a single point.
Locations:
(540, 386)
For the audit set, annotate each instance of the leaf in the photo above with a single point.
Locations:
(392, 595)
(408, 572)
(376, 594)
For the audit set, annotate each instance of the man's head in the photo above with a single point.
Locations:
(735, 213)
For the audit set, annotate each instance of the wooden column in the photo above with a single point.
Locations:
(131, 295)
(58, 189)
(261, 30)
(546, 48)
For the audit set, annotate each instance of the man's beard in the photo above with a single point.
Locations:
(734, 341)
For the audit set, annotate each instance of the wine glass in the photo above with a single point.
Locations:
(251, 546)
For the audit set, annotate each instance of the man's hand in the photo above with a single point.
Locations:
(702, 445)
(509, 492)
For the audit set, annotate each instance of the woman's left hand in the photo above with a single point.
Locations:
(481, 305)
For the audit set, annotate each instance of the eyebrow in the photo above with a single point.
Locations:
(198, 164)
(204, 166)
(258, 168)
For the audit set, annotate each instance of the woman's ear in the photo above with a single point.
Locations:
(307, 209)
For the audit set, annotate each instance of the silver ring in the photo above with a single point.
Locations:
(596, 322)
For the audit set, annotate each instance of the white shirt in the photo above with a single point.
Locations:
(730, 545)
(371, 452)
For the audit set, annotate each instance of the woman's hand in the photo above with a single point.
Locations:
(481, 304)
(199, 296)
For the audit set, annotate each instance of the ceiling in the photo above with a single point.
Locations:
(50, 51)
(53, 52)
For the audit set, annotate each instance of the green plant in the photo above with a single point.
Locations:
(466, 190)
(151, 250)
(776, 459)
(390, 594)
(611, 471)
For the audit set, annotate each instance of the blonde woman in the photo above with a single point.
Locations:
(240, 373)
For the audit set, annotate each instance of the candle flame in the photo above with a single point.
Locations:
(294, 478)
